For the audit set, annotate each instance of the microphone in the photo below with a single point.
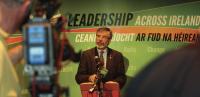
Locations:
(100, 64)
(97, 61)
(102, 72)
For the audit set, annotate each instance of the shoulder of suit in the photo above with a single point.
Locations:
(115, 51)
(89, 50)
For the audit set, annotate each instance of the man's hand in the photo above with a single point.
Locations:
(92, 78)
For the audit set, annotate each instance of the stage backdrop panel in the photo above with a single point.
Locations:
(142, 31)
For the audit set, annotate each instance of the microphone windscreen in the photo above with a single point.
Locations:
(104, 71)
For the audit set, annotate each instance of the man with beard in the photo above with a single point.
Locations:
(110, 59)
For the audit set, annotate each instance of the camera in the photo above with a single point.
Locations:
(39, 57)
(44, 50)
(39, 52)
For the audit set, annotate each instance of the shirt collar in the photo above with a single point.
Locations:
(105, 50)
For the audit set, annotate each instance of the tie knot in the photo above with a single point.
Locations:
(101, 52)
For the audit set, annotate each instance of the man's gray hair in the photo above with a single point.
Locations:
(106, 29)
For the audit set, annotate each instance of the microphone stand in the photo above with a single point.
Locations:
(98, 83)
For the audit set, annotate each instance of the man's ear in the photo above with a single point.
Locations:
(24, 11)
(25, 6)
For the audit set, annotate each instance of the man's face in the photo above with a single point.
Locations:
(102, 39)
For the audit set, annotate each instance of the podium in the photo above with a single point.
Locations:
(109, 90)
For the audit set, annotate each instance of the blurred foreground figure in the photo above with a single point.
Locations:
(174, 74)
(12, 14)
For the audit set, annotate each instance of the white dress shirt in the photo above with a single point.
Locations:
(104, 55)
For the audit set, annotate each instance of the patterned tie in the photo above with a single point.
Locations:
(101, 57)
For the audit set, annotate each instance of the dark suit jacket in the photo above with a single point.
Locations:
(115, 66)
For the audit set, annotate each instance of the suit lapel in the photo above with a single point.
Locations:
(94, 53)
(109, 58)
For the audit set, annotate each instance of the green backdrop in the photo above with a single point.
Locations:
(146, 17)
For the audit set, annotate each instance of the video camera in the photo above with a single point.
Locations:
(42, 53)
(39, 47)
